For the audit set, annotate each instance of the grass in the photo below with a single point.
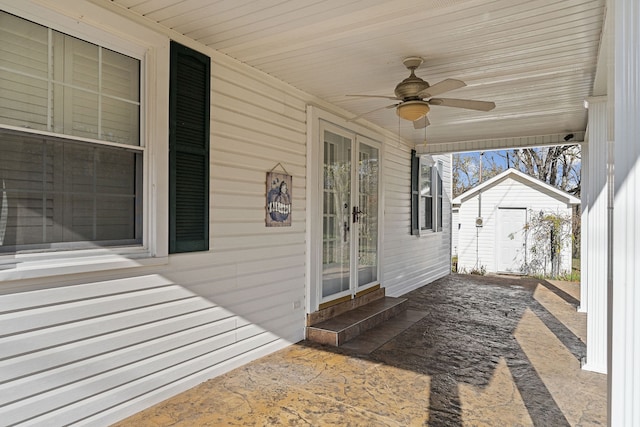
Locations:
(574, 276)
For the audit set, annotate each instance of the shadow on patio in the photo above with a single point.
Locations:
(470, 351)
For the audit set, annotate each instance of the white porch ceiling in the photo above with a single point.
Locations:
(536, 59)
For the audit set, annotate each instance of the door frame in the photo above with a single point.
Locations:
(315, 117)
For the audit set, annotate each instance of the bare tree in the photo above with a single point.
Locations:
(466, 169)
(558, 166)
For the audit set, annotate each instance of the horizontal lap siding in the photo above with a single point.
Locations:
(469, 236)
(261, 271)
(411, 261)
(99, 350)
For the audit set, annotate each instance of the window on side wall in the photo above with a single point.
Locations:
(440, 195)
(427, 195)
(72, 161)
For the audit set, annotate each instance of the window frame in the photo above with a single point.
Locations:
(436, 194)
(439, 168)
(427, 215)
(152, 50)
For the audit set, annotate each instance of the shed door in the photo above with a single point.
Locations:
(511, 243)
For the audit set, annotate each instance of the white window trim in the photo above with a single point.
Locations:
(105, 28)
(436, 168)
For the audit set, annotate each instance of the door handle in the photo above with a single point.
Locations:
(356, 214)
(345, 231)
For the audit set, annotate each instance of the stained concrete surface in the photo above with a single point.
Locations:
(469, 351)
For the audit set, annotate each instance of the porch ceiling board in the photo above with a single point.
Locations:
(498, 143)
(536, 59)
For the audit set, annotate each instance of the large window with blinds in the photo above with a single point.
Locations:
(71, 159)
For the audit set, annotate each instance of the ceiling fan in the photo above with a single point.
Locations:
(416, 96)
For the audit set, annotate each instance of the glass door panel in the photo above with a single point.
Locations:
(336, 219)
(367, 214)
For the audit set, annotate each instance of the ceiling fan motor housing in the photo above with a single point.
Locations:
(409, 88)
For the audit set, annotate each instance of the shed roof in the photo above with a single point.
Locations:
(520, 177)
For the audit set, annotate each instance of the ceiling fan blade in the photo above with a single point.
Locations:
(376, 96)
(469, 104)
(421, 123)
(444, 86)
(368, 112)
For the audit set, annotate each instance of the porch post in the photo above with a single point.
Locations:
(584, 222)
(624, 369)
(595, 254)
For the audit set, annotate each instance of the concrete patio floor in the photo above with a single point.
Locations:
(470, 351)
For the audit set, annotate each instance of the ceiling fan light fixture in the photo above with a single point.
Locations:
(412, 110)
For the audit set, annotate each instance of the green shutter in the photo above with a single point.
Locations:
(415, 193)
(189, 104)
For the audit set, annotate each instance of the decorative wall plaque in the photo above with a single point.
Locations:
(278, 207)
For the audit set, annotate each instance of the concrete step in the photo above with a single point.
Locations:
(349, 325)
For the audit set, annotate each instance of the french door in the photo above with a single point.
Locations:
(350, 213)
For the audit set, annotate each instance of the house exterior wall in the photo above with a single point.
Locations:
(412, 261)
(477, 245)
(96, 339)
(103, 345)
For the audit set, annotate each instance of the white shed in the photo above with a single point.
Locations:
(494, 224)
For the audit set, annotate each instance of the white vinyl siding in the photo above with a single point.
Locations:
(127, 339)
(108, 343)
(411, 261)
